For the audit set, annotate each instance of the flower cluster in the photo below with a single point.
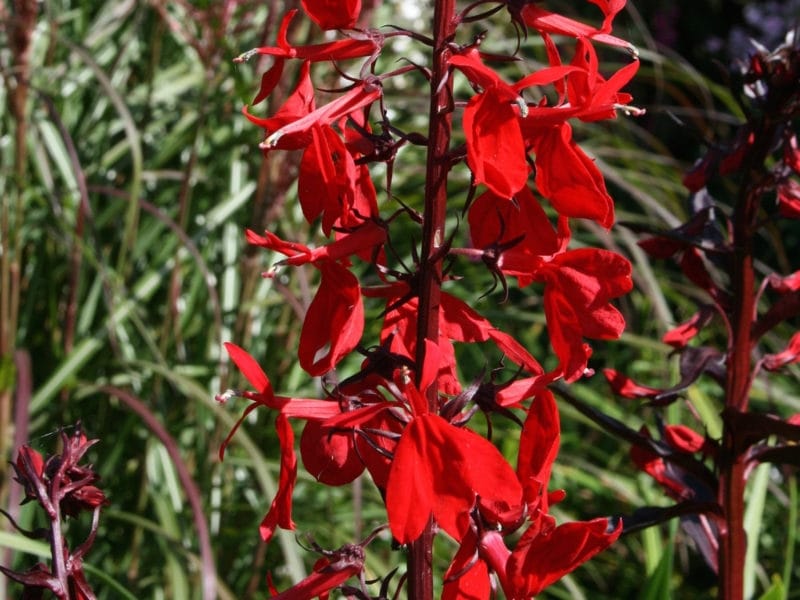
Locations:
(62, 488)
(403, 418)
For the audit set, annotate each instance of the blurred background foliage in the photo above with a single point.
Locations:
(127, 177)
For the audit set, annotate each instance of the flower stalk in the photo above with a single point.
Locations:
(404, 417)
(63, 488)
(420, 555)
(708, 476)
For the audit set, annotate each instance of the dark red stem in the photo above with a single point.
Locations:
(733, 542)
(420, 568)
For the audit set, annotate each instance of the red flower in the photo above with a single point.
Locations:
(441, 470)
(353, 47)
(588, 91)
(547, 22)
(579, 285)
(280, 511)
(495, 149)
(544, 553)
(569, 179)
(333, 14)
(299, 103)
(297, 133)
(541, 558)
(335, 319)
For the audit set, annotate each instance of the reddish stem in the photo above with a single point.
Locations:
(420, 555)
(733, 542)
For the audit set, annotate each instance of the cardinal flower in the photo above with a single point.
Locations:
(496, 152)
(335, 319)
(569, 179)
(330, 571)
(440, 471)
(299, 103)
(547, 22)
(579, 285)
(331, 185)
(299, 130)
(352, 47)
(280, 511)
(545, 552)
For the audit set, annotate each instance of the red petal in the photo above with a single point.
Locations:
(334, 321)
(470, 63)
(491, 215)
(409, 490)
(626, 387)
(333, 14)
(683, 438)
(321, 182)
(495, 149)
(579, 285)
(299, 104)
(440, 469)
(329, 456)
(250, 369)
(462, 324)
(679, 336)
(540, 560)
(538, 448)
(791, 354)
(785, 284)
(566, 336)
(467, 577)
(269, 80)
(548, 22)
(789, 199)
(569, 179)
(280, 512)
(297, 132)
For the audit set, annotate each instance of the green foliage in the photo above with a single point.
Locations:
(126, 222)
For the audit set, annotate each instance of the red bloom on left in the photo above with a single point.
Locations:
(280, 512)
